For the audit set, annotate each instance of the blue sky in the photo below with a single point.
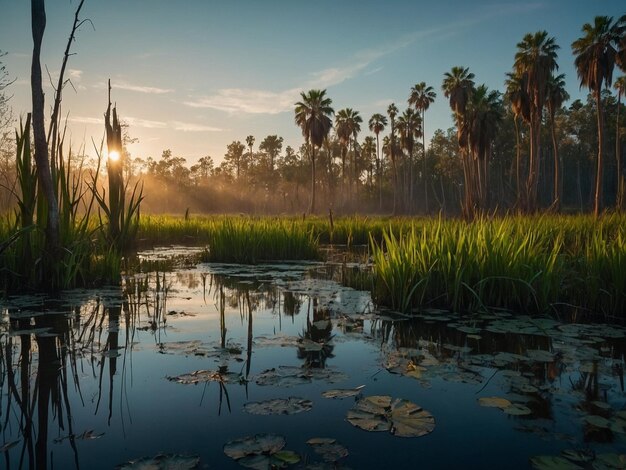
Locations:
(194, 75)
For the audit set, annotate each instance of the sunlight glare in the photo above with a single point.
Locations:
(114, 155)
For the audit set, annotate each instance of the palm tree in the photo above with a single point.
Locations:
(482, 117)
(518, 99)
(368, 148)
(312, 114)
(250, 143)
(392, 112)
(348, 124)
(458, 87)
(620, 86)
(409, 127)
(536, 60)
(557, 95)
(342, 128)
(377, 124)
(421, 97)
(596, 52)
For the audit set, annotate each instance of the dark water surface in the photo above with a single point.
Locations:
(93, 379)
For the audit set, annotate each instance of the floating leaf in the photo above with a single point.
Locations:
(279, 406)
(261, 452)
(540, 355)
(343, 392)
(551, 462)
(611, 461)
(578, 455)
(287, 456)
(289, 376)
(400, 417)
(494, 402)
(162, 462)
(201, 376)
(251, 445)
(517, 410)
(598, 421)
(328, 448)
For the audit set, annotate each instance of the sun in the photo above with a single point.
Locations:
(114, 155)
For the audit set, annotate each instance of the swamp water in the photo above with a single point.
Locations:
(217, 366)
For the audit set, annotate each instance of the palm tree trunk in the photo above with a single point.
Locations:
(619, 203)
(518, 152)
(597, 206)
(425, 166)
(556, 203)
(379, 174)
(312, 206)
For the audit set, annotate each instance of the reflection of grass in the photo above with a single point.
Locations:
(527, 264)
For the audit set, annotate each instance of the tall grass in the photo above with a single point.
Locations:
(252, 241)
(525, 264)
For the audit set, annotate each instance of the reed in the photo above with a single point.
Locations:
(523, 264)
(250, 241)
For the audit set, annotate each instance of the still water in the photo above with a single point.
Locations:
(177, 366)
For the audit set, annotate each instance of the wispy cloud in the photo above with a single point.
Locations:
(192, 127)
(255, 101)
(123, 85)
(146, 123)
(131, 121)
(86, 120)
(245, 100)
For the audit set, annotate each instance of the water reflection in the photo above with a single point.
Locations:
(95, 374)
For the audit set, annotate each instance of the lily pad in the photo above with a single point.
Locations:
(162, 462)
(401, 418)
(610, 461)
(578, 455)
(551, 462)
(279, 406)
(261, 452)
(540, 355)
(598, 421)
(343, 392)
(290, 376)
(328, 448)
(251, 445)
(494, 402)
(201, 376)
(517, 410)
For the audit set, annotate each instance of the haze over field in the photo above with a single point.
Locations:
(194, 78)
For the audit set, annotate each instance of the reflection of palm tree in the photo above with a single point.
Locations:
(312, 114)
(291, 303)
(316, 347)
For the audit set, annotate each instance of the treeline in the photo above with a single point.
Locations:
(523, 149)
(272, 178)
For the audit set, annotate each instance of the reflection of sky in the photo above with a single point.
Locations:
(195, 78)
(151, 414)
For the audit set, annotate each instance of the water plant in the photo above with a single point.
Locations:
(524, 264)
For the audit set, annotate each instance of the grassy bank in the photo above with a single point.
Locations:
(525, 264)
